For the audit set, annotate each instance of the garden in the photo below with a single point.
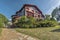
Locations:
(47, 29)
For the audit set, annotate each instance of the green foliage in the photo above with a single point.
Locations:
(47, 17)
(1, 24)
(54, 12)
(3, 20)
(25, 22)
(23, 19)
(47, 23)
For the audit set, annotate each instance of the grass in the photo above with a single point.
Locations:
(0, 31)
(41, 33)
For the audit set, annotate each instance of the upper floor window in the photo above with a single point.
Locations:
(32, 10)
(27, 8)
(38, 15)
(36, 11)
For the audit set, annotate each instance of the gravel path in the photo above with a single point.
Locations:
(11, 34)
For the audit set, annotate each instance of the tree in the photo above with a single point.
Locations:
(54, 12)
(3, 20)
(47, 17)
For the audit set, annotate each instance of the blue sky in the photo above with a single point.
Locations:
(9, 7)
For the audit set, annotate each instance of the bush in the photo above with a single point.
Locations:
(25, 22)
(47, 23)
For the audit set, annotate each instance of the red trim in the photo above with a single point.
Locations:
(30, 14)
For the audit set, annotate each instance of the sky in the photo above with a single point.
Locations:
(9, 7)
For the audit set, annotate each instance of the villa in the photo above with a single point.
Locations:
(29, 11)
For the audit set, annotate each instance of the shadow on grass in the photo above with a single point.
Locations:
(56, 30)
(13, 27)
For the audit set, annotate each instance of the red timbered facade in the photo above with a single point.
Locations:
(29, 11)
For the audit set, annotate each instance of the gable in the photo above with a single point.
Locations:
(33, 9)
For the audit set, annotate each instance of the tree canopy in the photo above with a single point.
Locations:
(3, 20)
(56, 13)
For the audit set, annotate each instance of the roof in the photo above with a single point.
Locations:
(31, 6)
(13, 15)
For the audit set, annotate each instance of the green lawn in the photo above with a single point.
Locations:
(41, 33)
(0, 30)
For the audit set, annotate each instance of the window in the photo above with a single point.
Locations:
(27, 8)
(38, 15)
(30, 14)
(36, 11)
(32, 10)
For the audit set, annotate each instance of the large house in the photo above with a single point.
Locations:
(29, 11)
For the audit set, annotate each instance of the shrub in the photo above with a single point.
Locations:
(25, 22)
(47, 23)
(30, 22)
